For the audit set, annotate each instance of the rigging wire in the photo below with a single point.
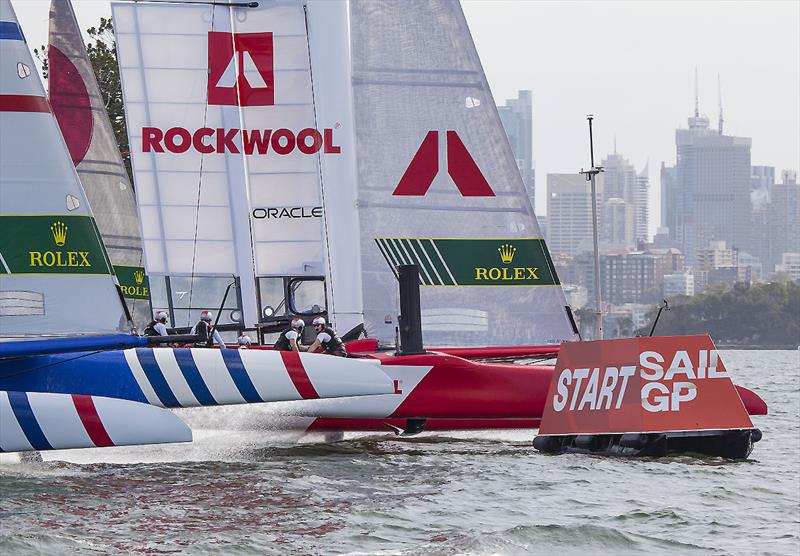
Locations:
(332, 311)
(199, 191)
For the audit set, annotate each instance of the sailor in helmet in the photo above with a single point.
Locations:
(206, 331)
(244, 341)
(289, 340)
(327, 339)
(157, 326)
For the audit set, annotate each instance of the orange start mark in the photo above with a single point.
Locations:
(659, 384)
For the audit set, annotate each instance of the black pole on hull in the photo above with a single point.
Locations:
(410, 312)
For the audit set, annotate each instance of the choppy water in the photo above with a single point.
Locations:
(470, 493)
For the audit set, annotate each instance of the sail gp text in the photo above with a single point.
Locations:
(207, 140)
(593, 389)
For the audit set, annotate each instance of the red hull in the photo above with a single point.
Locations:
(457, 394)
(382, 425)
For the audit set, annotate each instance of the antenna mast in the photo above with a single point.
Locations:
(719, 94)
(590, 176)
(696, 96)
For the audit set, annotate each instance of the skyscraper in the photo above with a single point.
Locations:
(708, 189)
(569, 212)
(629, 192)
(517, 118)
(641, 204)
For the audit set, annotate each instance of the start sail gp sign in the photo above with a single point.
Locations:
(641, 385)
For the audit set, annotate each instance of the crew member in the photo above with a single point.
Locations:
(244, 341)
(289, 340)
(327, 339)
(207, 332)
(157, 326)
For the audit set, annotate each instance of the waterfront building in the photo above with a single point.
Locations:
(790, 264)
(629, 278)
(756, 268)
(517, 118)
(678, 284)
(716, 255)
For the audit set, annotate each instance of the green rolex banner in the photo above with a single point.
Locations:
(60, 243)
(473, 262)
(133, 281)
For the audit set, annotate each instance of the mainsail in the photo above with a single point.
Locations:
(55, 275)
(334, 140)
(438, 185)
(225, 150)
(81, 113)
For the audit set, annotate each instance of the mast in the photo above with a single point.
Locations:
(590, 176)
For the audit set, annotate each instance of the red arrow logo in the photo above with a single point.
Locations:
(462, 168)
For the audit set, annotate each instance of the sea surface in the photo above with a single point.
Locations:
(488, 492)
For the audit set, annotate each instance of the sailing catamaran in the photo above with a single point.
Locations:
(69, 375)
(307, 149)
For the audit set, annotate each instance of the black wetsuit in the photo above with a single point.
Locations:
(206, 333)
(334, 346)
(283, 342)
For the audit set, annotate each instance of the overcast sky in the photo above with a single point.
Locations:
(629, 63)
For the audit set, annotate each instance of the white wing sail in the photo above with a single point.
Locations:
(55, 275)
(438, 185)
(225, 146)
(81, 113)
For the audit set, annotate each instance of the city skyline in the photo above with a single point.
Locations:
(640, 94)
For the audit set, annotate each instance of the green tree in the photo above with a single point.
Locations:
(763, 315)
(102, 51)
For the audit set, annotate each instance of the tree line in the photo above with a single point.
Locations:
(761, 315)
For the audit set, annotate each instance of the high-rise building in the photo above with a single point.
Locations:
(707, 192)
(622, 183)
(569, 212)
(517, 118)
(783, 223)
(762, 178)
(617, 223)
(641, 205)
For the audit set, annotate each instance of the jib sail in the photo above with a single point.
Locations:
(55, 275)
(81, 113)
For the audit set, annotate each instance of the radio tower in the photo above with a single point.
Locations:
(696, 96)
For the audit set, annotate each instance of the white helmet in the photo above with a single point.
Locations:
(298, 323)
(161, 316)
(319, 321)
(244, 340)
(206, 316)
